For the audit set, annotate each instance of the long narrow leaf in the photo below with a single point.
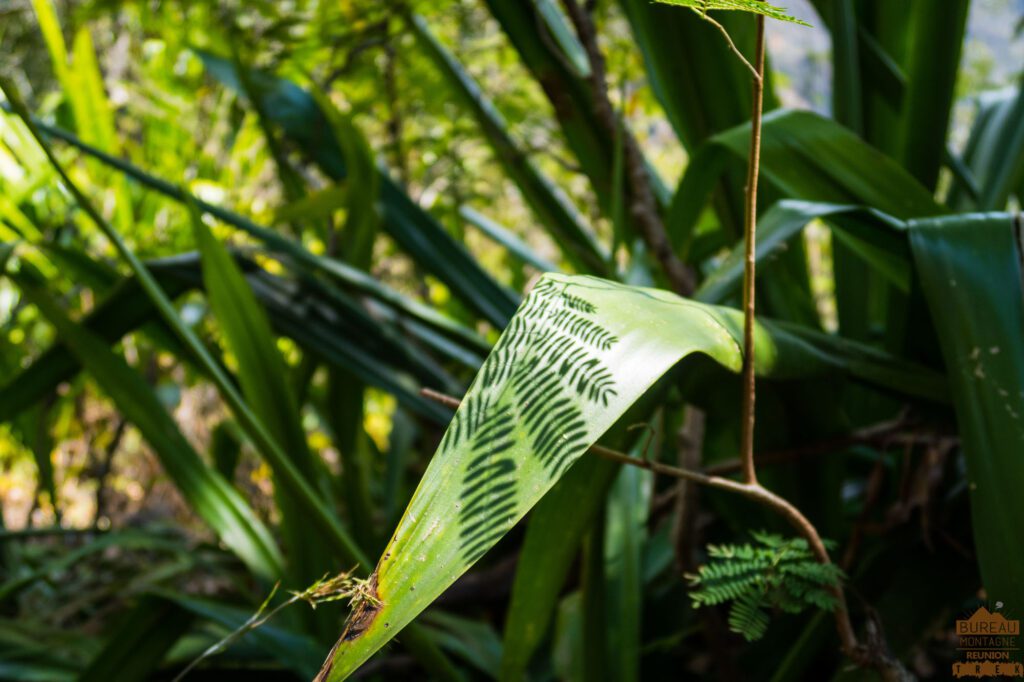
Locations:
(971, 271)
(788, 218)
(994, 155)
(557, 525)
(265, 386)
(316, 327)
(137, 646)
(503, 236)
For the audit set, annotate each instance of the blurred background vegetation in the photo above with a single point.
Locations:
(469, 110)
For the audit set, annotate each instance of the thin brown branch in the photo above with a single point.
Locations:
(732, 46)
(643, 206)
(442, 398)
(749, 270)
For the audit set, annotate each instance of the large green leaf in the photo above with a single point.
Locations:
(625, 535)
(811, 157)
(971, 271)
(212, 498)
(578, 353)
(863, 229)
(808, 157)
(894, 73)
(931, 42)
(895, 67)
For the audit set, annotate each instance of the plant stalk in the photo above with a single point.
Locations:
(749, 270)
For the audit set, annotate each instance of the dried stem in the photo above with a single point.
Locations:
(325, 590)
(683, 530)
(732, 46)
(105, 462)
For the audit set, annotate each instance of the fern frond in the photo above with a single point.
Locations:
(753, 6)
(775, 574)
(822, 574)
(823, 600)
(747, 618)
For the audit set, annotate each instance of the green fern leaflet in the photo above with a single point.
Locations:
(775, 574)
(753, 6)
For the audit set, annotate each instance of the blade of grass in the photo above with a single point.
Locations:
(625, 535)
(971, 270)
(501, 235)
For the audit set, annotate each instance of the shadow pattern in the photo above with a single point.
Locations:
(531, 387)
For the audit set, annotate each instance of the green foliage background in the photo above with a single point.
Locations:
(280, 221)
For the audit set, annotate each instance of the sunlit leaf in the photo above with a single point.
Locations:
(578, 353)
